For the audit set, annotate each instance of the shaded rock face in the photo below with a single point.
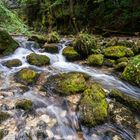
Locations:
(93, 106)
(51, 48)
(118, 52)
(67, 83)
(38, 60)
(13, 63)
(26, 76)
(132, 71)
(131, 102)
(7, 44)
(122, 116)
(71, 54)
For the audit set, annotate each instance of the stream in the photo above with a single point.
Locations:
(53, 118)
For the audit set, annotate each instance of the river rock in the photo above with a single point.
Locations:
(38, 60)
(109, 62)
(122, 116)
(125, 99)
(132, 71)
(13, 63)
(120, 66)
(118, 52)
(3, 116)
(67, 83)
(95, 60)
(93, 106)
(7, 44)
(71, 54)
(26, 76)
(51, 48)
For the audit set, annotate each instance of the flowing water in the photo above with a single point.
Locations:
(53, 118)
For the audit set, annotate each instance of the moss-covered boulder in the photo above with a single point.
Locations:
(51, 48)
(109, 62)
(7, 44)
(24, 104)
(13, 63)
(93, 106)
(84, 44)
(131, 102)
(123, 59)
(3, 116)
(95, 60)
(38, 60)
(53, 37)
(67, 83)
(131, 72)
(120, 66)
(71, 54)
(121, 116)
(118, 52)
(26, 76)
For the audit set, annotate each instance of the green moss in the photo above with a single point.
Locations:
(123, 59)
(67, 83)
(1, 134)
(95, 60)
(118, 52)
(120, 66)
(24, 104)
(71, 54)
(132, 103)
(84, 44)
(109, 62)
(51, 48)
(3, 116)
(7, 44)
(132, 71)
(26, 76)
(13, 63)
(38, 60)
(53, 37)
(93, 106)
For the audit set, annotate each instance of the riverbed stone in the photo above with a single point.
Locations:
(26, 76)
(38, 60)
(95, 60)
(7, 44)
(131, 102)
(67, 83)
(24, 104)
(93, 106)
(50, 48)
(13, 63)
(118, 52)
(3, 116)
(71, 54)
(131, 72)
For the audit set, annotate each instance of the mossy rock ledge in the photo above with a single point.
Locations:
(131, 72)
(13, 63)
(71, 54)
(51, 48)
(118, 52)
(38, 60)
(93, 106)
(26, 76)
(7, 44)
(67, 83)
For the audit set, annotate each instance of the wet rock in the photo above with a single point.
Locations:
(24, 104)
(131, 72)
(7, 44)
(13, 63)
(120, 66)
(4, 107)
(116, 137)
(122, 116)
(127, 100)
(123, 59)
(4, 116)
(41, 135)
(93, 106)
(38, 60)
(71, 54)
(67, 83)
(51, 48)
(42, 125)
(118, 52)
(22, 136)
(1, 134)
(84, 44)
(95, 60)
(109, 62)
(26, 76)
